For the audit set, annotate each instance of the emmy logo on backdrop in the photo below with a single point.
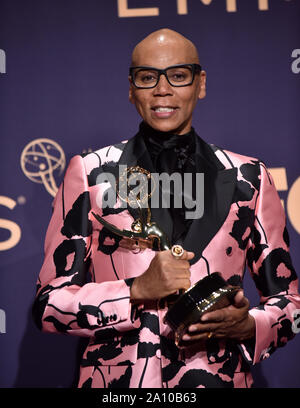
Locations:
(40, 160)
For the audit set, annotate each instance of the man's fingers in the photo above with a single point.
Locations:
(186, 256)
(183, 284)
(215, 316)
(181, 265)
(203, 327)
(240, 300)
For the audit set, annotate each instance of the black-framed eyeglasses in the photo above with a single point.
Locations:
(144, 77)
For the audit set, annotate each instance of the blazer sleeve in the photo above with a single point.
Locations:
(275, 278)
(66, 299)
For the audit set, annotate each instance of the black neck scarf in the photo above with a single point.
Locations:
(173, 153)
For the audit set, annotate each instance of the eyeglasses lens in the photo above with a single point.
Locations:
(177, 76)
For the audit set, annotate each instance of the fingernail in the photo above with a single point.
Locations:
(186, 337)
(192, 328)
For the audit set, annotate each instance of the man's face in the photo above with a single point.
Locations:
(180, 101)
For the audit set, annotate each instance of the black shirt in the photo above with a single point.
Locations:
(171, 153)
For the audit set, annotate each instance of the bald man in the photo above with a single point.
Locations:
(122, 306)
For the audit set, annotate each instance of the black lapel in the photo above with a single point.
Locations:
(135, 153)
(219, 186)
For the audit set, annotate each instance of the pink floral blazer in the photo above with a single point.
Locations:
(84, 284)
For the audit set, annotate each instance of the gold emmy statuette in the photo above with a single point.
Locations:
(184, 308)
(142, 229)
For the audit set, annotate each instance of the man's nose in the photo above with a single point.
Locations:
(163, 87)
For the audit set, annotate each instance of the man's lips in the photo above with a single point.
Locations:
(163, 111)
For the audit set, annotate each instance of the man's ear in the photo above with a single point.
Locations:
(130, 94)
(202, 89)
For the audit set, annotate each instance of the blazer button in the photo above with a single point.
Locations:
(229, 251)
(158, 353)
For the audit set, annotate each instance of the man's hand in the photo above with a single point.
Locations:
(232, 322)
(165, 276)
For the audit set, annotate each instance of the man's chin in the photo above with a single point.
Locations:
(167, 127)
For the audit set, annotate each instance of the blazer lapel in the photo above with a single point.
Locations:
(219, 187)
